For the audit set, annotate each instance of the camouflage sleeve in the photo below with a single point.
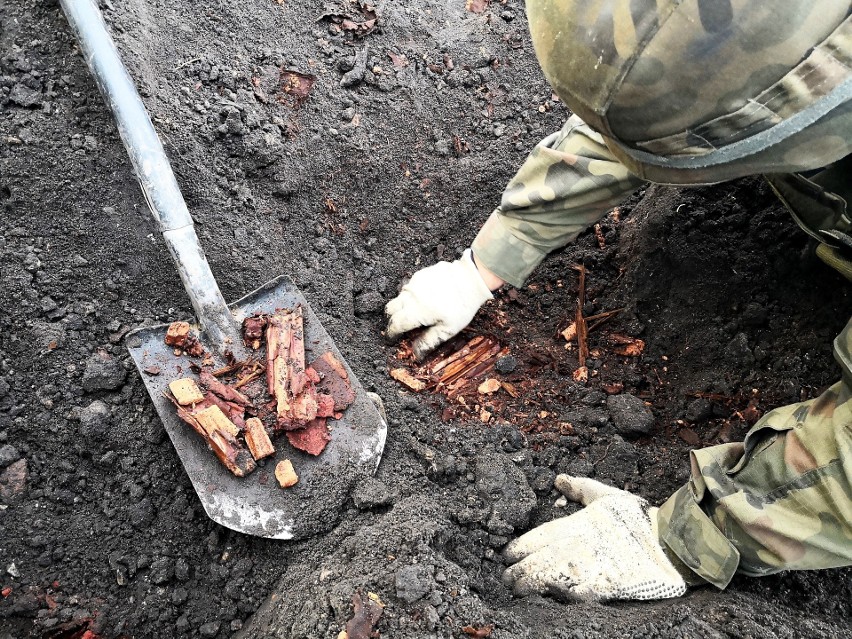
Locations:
(780, 500)
(568, 182)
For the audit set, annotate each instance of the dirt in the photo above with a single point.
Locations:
(392, 159)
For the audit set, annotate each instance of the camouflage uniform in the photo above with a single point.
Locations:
(698, 92)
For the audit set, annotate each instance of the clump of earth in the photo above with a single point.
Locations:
(390, 161)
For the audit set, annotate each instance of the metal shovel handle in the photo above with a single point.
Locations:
(152, 170)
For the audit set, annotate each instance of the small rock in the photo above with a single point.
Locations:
(13, 481)
(48, 304)
(179, 596)
(359, 69)
(182, 625)
(505, 365)
(698, 410)
(4, 388)
(502, 484)
(242, 568)
(142, 514)
(95, 420)
(210, 629)
(103, 372)
(412, 583)
(629, 414)
(368, 303)
(8, 454)
(738, 350)
(12, 569)
(181, 569)
(24, 96)
(371, 493)
(162, 571)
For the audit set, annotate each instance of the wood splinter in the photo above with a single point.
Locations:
(186, 391)
(225, 446)
(257, 439)
(285, 474)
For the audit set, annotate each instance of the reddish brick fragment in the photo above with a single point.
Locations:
(325, 405)
(312, 439)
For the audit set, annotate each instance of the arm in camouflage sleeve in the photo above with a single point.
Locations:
(568, 182)
(780, 500)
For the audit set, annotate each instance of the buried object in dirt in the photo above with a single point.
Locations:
(247, 505)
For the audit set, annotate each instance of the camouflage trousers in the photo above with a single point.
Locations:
(780, 500)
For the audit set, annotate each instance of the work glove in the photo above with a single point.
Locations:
(443, 297)
(609, 550)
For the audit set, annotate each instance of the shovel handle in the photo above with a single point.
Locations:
(153, 171)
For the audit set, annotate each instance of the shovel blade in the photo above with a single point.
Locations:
(256, 504)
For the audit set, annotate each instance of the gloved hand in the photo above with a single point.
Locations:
(443, 297)
(608, 550)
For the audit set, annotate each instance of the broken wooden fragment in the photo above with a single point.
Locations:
(626, 345)
(212, 419)
(312, 439)
(193, 347)
(234, 412)
(366, 613)
(402, 375)
(176, 334)
(334, 380)
(225, 446)
(223, 390)
(186, 391)
(580, 321)
(490, 385)
(253, 328)
(257, 439)
(570, 333)
(479, 357)
(464, 351)
(581, 374)
(285, 474)
(288, 382)
(304, 407)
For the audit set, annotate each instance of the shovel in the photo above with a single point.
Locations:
(255, 504)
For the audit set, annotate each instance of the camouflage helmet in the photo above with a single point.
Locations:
(704, 90)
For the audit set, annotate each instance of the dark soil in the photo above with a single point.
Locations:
(349, 191)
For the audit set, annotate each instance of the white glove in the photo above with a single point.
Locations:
(443, 297)
(608, 550)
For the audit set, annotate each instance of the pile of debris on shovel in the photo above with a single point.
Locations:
(236, 408)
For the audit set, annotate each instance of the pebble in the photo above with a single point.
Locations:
(13, 481)
(412, 583)
(142, 514)
(24, 96)
(103, 372)
(355, 76)
(181, 569)
(242, 568)
(629, 414)
(162, 570)
(8, 454)
(95, 420)
(506, 364)
(210, 629)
